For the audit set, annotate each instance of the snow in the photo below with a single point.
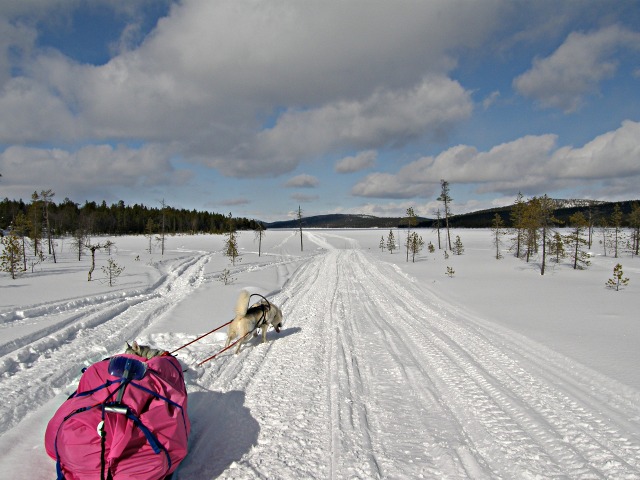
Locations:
(384, 369)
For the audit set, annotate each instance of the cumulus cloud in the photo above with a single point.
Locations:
(358, 162)
(576, 68)
(531, 164)
(349, 75)
(91, 168)
(384, 119)
(302, 181)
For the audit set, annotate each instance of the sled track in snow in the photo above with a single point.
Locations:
(469, 400)
(54, 356)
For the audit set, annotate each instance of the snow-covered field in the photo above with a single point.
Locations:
(384, 369)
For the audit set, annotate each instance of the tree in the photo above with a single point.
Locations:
(299, 217)
(149, 230)
(458, 248)
(231, 243)
(381, 245)
(616, 225)
(80, 238)
(575, 239)
(112, 270)
(450, 272)
(162, 227)
(35, 215)
(92, 248)
(618, 279)
(546, 223)
(518, 224)
(497, 230)
(260, 233)
(446, 199)
(11, 257)
(634, 223)
(21, 228)
(411, 220)
(556, 247)
(46, 196)
(391, 242)
(415, 244)
(438, 218)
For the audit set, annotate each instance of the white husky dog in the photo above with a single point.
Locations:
(249, 319)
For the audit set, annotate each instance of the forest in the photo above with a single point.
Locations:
(116, 219)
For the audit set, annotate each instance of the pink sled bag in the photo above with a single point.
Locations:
(127, 420)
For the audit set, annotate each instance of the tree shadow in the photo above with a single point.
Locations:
(222, 431)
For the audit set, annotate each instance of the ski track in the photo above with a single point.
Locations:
(469, 401)
(53, 357)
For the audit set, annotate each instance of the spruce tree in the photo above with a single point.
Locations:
(11, 257)
(618, 280)
(391, 242)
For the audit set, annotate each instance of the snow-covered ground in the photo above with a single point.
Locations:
(384, 369)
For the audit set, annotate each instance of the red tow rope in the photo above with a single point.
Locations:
(200, 337)
(224, 349)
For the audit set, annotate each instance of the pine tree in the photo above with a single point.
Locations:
(391, 242)
(458, 248)
(11, 257)
(518, 223)
(259, 235)
(618, 279)
(415, 245)
(446, 199)
(411, 221)
(634, 223)
(616, 225)
(497, 229)
(149, 230)
(556, 247)
(381, 245)
(450, 272)
(576, 241)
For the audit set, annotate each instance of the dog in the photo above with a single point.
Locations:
(144, 351)
(260, 315)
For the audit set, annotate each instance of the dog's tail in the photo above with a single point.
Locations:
(242, 304)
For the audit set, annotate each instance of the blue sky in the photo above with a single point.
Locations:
(257, 107)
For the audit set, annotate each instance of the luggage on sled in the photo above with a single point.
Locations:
(127, 420)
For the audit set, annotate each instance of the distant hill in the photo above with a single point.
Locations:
(337, 220)
(479, 219)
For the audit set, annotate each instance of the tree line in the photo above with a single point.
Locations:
(66, 217)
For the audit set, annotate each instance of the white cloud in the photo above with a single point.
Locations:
(210, 71)
(532, 164)
(384, 119)
(576, 68)
(358, 162)
(90, 170)
(302, 181)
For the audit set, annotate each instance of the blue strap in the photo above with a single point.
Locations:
(151, 438)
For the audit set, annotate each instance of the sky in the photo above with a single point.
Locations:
(256, 108)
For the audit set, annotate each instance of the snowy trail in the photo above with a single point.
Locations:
(374, 378)
(45, 362)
